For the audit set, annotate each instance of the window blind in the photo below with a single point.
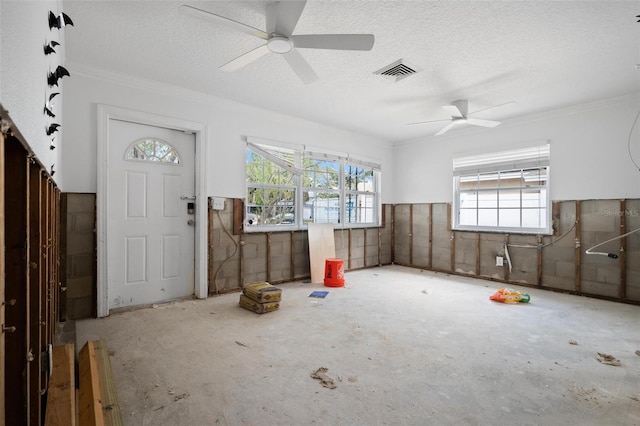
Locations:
(523, 158)
(282, 157)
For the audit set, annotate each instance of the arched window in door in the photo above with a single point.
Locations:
(154, 150)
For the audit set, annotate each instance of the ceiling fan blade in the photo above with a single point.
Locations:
(494, 106)
(229, 23)
(282, 16)
(453, 111)
(334, 41)
(483, 123)
(301, 67)
(245, 59)
(427, 122)
(446, 128)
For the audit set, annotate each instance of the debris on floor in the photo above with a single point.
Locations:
(638, 352)
(321, 374)
(241, 344)
(608, 359)
(181, 396)
(509, 295)
(573, 342)
(319, 294)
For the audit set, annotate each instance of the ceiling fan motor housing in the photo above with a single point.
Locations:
(279, 44)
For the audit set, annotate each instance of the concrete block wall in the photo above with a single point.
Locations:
(80, 278)
(632, 218)
(441, 238)
(357, 249)
(420, 235)
(372, 236)
(279, 257)
(402, 234)
(557, 261)
(386, 236)
(600, 222)
(491, 245)
(225, 251)
(465, 253)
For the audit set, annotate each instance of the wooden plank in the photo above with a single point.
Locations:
(322, 246)
(410, 234)
(477, 254)
(539, 260)
(578, 251)
(292, 259)
(35, 299)
(350, 241)
(430, 236)
(622, 290)
(268, 242)
(393, 233)
(89, 396)
(110, 406)
(2, 279)
(238, 216)
(364, 262)
(16, 284)
(211, 272)
(61, 398)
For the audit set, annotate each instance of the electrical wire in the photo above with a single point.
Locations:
(224, 262)
(629, 141)
(541, 246)
(611, 255)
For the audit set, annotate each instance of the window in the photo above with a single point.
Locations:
(154, 150)
(292, 187)
(271, 188)
(360, 194)
(506, 191)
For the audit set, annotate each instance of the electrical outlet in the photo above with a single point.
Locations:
(218, 203)
(499, 261)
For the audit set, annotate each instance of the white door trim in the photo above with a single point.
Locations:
(108, 112)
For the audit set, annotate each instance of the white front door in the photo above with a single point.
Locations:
(150, 214)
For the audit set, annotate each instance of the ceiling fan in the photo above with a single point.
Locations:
(460, 115)
(280, 21)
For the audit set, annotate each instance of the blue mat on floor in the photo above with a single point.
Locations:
(320, 294)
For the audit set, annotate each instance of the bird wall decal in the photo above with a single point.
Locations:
(49, 48)
(48, 112)
(53, 77)
(59, 21)
(53, 127)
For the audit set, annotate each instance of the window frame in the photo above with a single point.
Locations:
(517, 161)
(297, 167)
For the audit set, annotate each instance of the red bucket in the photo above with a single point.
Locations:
(334, 273)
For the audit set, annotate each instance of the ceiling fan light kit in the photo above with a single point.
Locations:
(281, 19)
(279, 44)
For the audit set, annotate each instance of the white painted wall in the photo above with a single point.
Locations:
(23, 71)
(589, 158)
(228, 121)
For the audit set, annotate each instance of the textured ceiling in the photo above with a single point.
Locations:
(540, 54)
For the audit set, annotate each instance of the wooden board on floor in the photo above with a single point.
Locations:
(61, 398)
(98, 403)
(322, 246)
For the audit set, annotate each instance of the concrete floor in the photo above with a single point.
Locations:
(403, 346)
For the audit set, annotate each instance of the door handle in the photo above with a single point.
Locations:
(191, 222)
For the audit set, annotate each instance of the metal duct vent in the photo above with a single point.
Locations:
(398, 70)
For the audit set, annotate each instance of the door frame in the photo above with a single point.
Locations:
(107, 113)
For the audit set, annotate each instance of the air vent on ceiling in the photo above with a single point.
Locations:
(398, 70)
